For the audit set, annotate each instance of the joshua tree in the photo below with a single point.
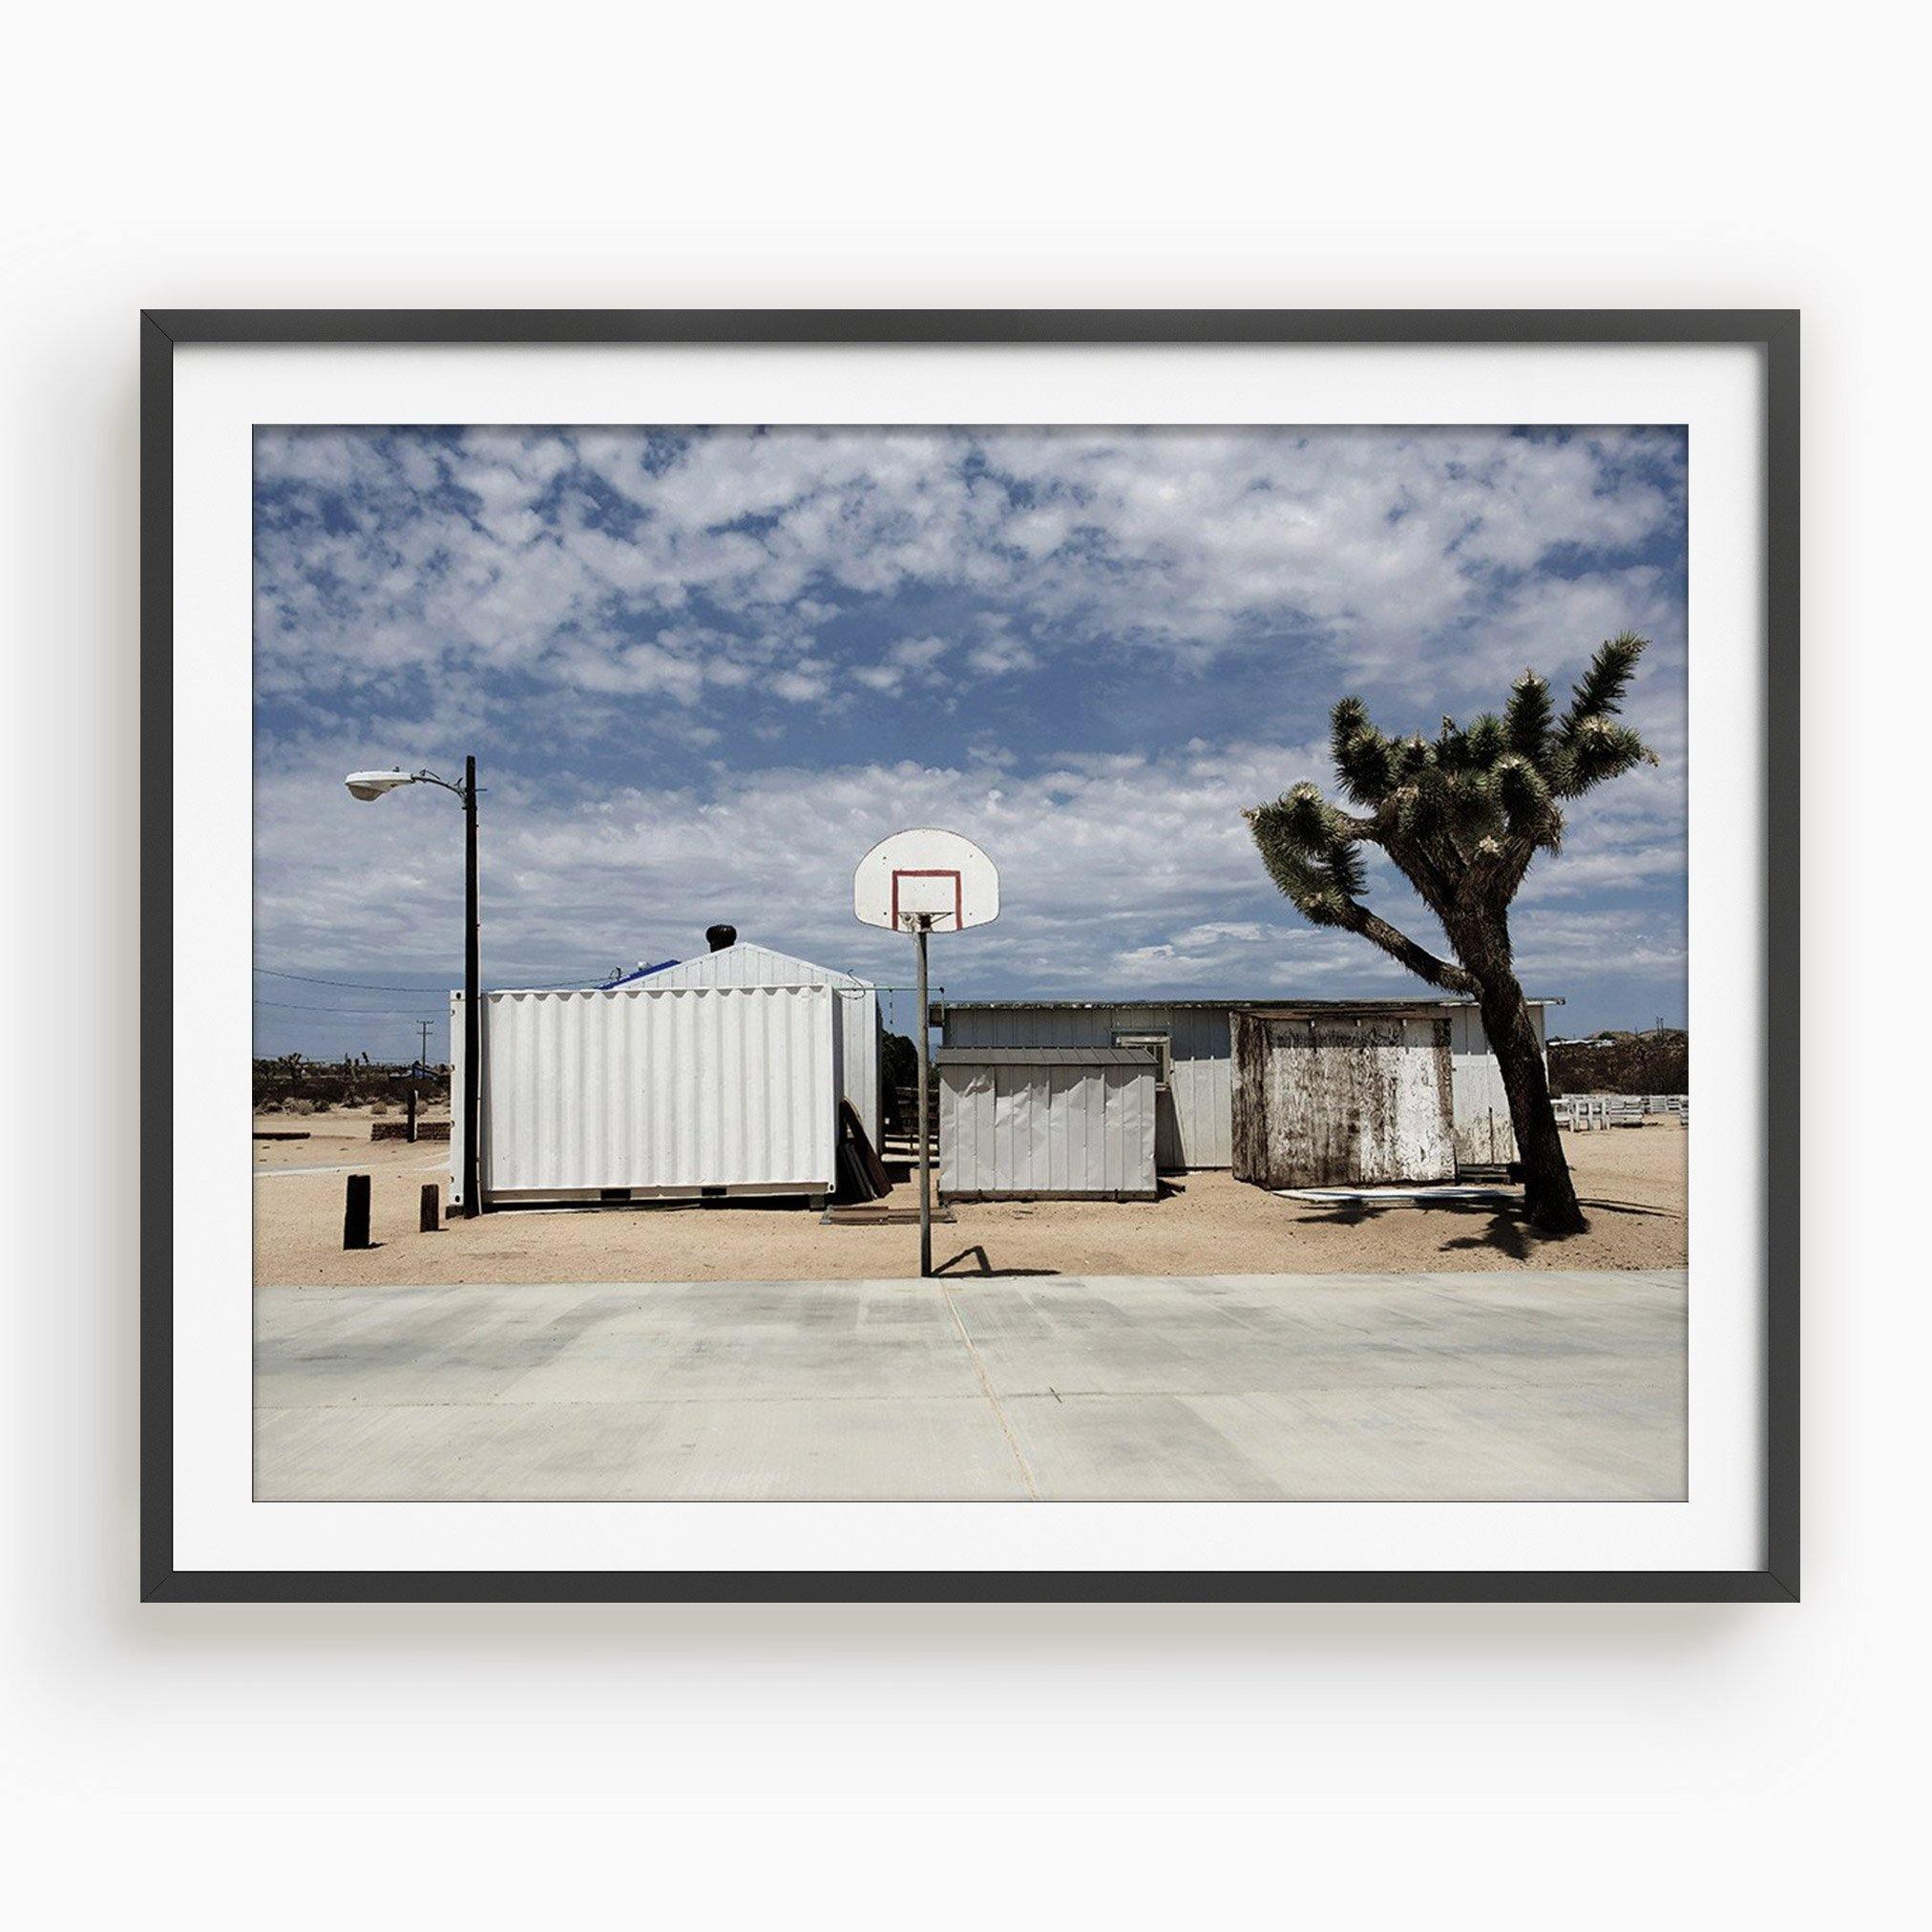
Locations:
(1463, 818)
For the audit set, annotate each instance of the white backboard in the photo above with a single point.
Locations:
(930, 877)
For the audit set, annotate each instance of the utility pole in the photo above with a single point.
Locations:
(416, 1073)
(473, 1006)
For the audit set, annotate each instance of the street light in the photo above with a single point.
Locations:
(373, 784)
(367, 784)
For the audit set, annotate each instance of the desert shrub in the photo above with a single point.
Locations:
(1622, 1063)
(298, 1106)
(899, 1060)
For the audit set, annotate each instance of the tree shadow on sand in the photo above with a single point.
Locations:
(1507, 1232)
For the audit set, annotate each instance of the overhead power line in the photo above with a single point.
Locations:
(587, 980)
(411, 1013)
(349, 985)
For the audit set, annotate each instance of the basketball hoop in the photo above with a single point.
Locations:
(923, 882)
(931, 880)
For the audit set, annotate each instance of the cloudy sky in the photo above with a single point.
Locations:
(702, 671)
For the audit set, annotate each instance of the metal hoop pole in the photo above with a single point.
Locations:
(925, 1151)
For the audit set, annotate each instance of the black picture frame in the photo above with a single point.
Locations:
(1774, 332)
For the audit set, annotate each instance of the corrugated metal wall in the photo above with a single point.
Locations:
(1193, 1117)
(656, 1089)
(1044, 1128)
(1197, 1112)
(747, 964)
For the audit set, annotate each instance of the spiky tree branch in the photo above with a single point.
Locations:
(1312, 853)
(1590, 746)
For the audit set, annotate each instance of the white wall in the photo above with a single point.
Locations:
(857, 1009)
(1161, 1764)
(1483, 1130)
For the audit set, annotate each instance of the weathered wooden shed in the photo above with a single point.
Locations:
(1329, 1097)
(1046, 1123)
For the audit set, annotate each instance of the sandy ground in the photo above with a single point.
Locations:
(1632, 1182)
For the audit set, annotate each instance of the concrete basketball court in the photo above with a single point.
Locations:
(1345, 1387)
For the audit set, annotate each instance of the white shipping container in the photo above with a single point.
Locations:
(743, 963)
(655, 1091)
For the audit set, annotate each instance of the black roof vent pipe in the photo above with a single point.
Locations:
(718, 938)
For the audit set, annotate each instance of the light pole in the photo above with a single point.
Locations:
(372, 785)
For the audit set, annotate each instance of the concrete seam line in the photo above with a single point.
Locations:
(986, 1383)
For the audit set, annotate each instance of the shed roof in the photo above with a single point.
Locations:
(745, 964)
(1279, 1005)
(1044, 1055)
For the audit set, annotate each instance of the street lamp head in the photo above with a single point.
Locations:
(373, 783)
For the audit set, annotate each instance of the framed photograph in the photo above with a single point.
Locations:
(973, 956)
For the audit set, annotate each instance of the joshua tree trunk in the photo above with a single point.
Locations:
(1549, 1197)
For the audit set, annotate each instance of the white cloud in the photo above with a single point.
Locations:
(802, 683)
(1003, 657)
(911, 662)
(1216, 932)
(467, 590)
(393, 551)
(918, 654)
(1115, 870)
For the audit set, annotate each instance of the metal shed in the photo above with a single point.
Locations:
(648, 1091)
(1191, 1039)
(1195, 1041)
(1046, 1123)
(742, 963)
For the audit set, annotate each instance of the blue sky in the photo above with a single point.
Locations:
(702, 671)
